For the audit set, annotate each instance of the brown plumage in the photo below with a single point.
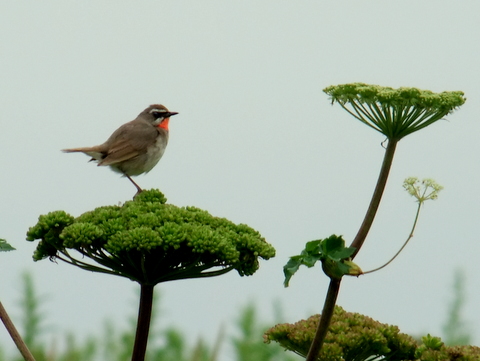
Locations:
(135, 147)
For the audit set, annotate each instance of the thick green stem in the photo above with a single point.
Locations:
(143, 322)
(334, 288)
(327, 314)
(377, 196)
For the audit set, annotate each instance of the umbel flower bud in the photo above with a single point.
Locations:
(395, 113)
(352, 336)
(150, 241)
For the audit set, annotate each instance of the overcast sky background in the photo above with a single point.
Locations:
(256, 141)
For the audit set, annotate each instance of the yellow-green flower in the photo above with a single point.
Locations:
(422, 190)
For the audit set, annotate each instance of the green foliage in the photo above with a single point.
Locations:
(433, 349)
(351, 337)
(31, 317)
(455, 329)
(76, 352)
(354, 337)
(115, 344)
(333, 254)
(5, 246)
(31, 321)
(249, 345)
(176, 347)
(150, 241)
(32, 326)
(165, 344)
(395, 113)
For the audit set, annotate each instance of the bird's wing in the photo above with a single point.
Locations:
(128, 141)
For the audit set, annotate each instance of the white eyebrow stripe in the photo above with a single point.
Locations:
(158, 110)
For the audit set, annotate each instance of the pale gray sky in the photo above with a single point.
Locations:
(256, 141)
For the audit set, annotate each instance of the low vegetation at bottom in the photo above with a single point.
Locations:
(355, 337)
(351, 337)
(243, 339)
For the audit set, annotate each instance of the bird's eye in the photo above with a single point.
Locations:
(157, 115)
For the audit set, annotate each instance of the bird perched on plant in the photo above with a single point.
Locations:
(135, 147)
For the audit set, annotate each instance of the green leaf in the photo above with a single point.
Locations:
(308, 257)
(313, 246)
(332, 243)
(342, 253)
(4, 246)
(310, 260)
(332, 248)
(290, 268)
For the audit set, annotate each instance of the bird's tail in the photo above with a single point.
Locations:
(90, 151)
(73, 150)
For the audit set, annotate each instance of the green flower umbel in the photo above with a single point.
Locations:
(394, 112)
(351, 337)
(149, 241)
(354, 337)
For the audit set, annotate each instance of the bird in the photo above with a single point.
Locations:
(136, 147)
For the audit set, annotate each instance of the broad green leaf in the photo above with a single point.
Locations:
(332, 243)
(313, 246)
(342, 253)
(310, 260)
(5, 246)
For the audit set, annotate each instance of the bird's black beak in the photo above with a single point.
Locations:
(170, 114)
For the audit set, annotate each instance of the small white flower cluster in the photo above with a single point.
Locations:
(422, 190)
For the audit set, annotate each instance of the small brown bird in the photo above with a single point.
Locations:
(135, 147)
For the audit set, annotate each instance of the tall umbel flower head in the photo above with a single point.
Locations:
(395, 113)
(150, 241)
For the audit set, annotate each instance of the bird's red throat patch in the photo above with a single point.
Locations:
(164, 124)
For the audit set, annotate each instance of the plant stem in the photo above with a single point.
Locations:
(325, 318)
(404, 244)
(334, 287)
(376, 197)
(22, 347)
(143, 322)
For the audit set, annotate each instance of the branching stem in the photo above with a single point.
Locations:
(334, 288)
(404, 245)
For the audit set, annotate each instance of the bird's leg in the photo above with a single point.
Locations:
(139, 190)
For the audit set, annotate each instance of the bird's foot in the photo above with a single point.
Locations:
(139, 190)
